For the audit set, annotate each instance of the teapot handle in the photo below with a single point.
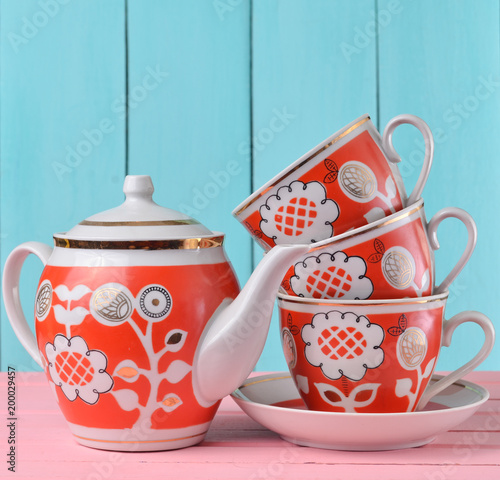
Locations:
(13, 307)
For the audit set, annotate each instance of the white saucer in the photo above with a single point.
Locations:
(274, 402)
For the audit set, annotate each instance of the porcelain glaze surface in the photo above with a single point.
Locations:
(347, 181)
(390, 258)
(274, 402)
(371, 356)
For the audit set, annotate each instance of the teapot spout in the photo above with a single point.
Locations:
(235, 335)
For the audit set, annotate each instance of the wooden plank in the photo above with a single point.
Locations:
(441, 61)
(254, 470)
(62, 145)
(261, 450)
(186, 132)
(307, 83)
(239, 430)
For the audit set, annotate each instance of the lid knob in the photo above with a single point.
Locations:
(138, 187)
(138, 218)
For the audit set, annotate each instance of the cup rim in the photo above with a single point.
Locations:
(335, 302)
(300, 162)
(381, 222)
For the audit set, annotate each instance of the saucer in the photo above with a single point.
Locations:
(273, 401)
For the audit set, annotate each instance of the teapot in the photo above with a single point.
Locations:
(140, 324)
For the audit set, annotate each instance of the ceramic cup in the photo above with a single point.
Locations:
(373, 356)
(390, 258)
(348, 180)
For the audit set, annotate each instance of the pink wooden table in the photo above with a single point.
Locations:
(237, 447)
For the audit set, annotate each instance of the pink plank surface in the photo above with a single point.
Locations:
(238, 447)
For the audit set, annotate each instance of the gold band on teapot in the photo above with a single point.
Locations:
(146, 223)
(176, 244)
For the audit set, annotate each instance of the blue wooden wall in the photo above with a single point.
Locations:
(206, 81)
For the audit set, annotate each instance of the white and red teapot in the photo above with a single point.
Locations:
(140, 326)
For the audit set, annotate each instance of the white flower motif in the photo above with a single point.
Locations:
(343, 344)
(332, 276)
(79, 372)
(299, 213)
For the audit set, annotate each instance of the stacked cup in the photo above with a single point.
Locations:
(361, 318)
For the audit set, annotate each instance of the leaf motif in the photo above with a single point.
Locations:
(170, 402)
(62, 292)
(331, 395)
(403, 387)
(425, 280)
(285, 284)
(289, 321)
(330, 177)
(78, 314)
(127, 399)
(361, 396)
(175, 340)
(376, 213)
(429, 368)
(60, 313)
(403, 322)
(177, 370)
(294, 329)
(331, 165)
(375, 257)
(390, 188)
(395, 331)
(364, 394)
(379, 245)
(127, 370)
(79, 291)
(258, 233)
(302, 383)
(65, 294)
(70, 317)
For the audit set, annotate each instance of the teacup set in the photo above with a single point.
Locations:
(141, 328)
(361, 318)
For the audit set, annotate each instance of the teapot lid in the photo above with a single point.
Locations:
(137, 218)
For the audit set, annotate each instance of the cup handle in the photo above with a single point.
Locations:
(13, 307)
(449, 327)
(393, 156)
(432, 226)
